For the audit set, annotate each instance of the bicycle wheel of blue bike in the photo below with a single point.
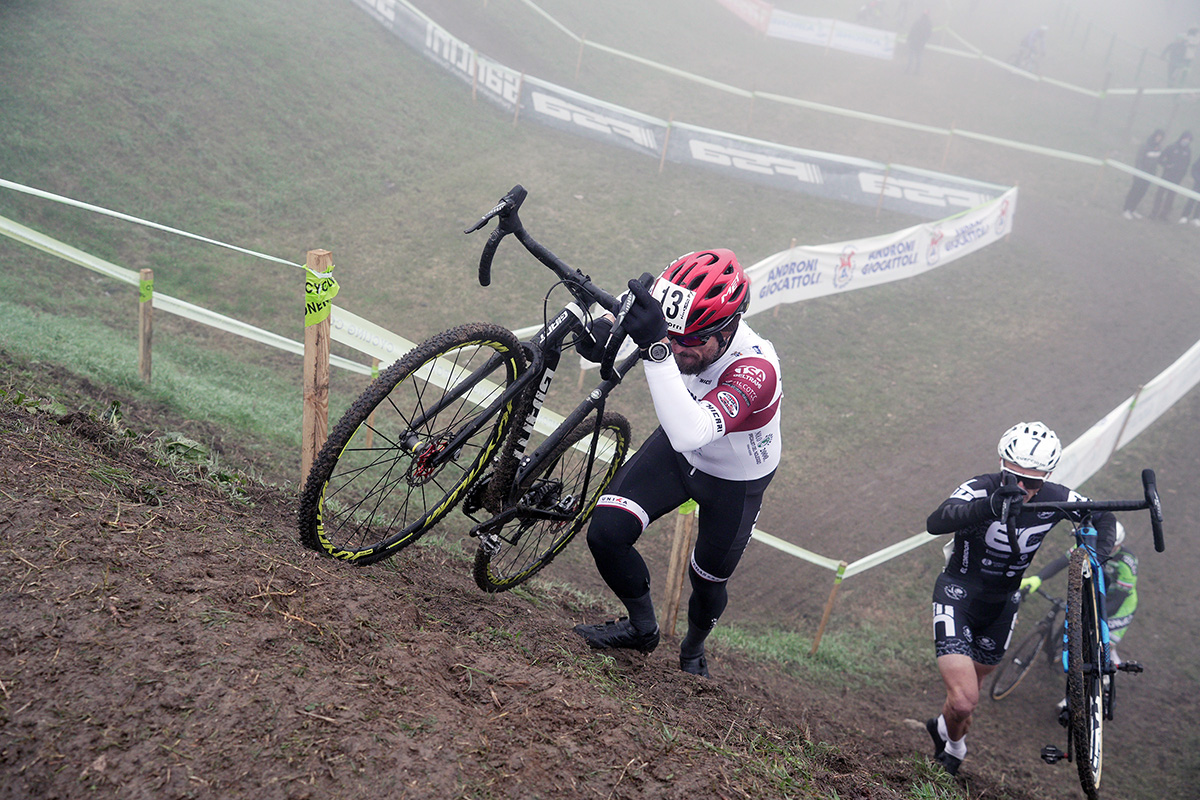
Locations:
(552, 504)
(1084, 673)
(411, 445)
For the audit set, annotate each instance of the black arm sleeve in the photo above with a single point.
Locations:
(1054, 567)
(954, 515)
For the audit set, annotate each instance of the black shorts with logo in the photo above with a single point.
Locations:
(968, 624)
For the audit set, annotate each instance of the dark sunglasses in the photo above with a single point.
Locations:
(691, 340)
(1030, 484)
(698, 339)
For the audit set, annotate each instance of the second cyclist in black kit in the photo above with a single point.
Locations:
(976, 596)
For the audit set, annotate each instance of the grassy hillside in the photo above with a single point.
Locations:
(286, 126)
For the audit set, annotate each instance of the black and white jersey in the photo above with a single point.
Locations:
(985, 554)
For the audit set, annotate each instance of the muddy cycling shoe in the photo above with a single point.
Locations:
(948, 762)
(695, 666)
(618, 633)
(939, 744)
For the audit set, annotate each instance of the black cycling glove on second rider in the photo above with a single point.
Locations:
(1015, 496)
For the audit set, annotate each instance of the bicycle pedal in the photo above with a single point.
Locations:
(1052, 755)
(1130, 666)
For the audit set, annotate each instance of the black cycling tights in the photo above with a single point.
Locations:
(657, 480)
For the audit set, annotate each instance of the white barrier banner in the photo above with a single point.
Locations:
(837, 35)
(921, 193)
(803, 273)
(494, 81)
(797, 28)
(595, 119)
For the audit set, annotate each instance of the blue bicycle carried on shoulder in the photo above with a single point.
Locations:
(1087, 656)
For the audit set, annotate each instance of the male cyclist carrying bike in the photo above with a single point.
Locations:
(716, 391)
(976, 596)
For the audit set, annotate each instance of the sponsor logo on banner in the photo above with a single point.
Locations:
(592, 120)
(920, 192)
(894, 256)
(1001, 224)
(385, 8)
(968, 234)
(934, 254)
(760, 163)
(494, 78)
(791, 276)
(845, 269)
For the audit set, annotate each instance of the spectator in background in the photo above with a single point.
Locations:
(1032, 49)
(1147, 161)
(1179, 55)
(1174, 161)
(1191, 212)
(918, 36)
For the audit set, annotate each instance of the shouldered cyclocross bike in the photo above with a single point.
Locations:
(1086, 654)
(454, 421)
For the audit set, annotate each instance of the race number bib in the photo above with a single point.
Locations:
(676, 302)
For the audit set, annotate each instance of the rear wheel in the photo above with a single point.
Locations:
(1084, 672)
(553, 505)
(398, 460)
(1018, 663)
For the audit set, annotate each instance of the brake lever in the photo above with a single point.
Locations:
(510, 222)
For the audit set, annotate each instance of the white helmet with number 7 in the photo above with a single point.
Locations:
(1030, 445)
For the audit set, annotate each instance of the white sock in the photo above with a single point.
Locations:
(955, 747)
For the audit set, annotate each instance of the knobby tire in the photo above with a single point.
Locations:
(1019, 661)
(1084, 662)
(527, 543)
(383, 478)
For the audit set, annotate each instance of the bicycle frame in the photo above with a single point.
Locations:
(1091, 687)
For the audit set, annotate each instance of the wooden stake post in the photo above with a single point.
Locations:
(681, 550)
(145, 322)
(315, 426)
(841, 572)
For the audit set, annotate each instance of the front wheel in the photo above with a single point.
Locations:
(554, 504)
(1018, 663)
(408, 448)
(1085, 659)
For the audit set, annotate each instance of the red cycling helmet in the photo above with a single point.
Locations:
(722, 288)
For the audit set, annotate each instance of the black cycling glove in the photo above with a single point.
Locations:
(1015, 496)
(593, 349)
(644, 321)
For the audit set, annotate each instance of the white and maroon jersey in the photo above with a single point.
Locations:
(724, 421)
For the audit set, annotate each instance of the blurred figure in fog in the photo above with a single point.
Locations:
(1147, 161)
(918, 36)
(870, 13)
(1191, 212)
(1174, 161)
(1179, 55)
(1032, 49)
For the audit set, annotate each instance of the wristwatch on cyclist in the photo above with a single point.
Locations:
(657, 352)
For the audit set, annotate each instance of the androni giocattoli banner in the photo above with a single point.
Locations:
(803, 273)
(905, 189)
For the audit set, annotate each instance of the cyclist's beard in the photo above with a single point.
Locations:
(693, 363)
